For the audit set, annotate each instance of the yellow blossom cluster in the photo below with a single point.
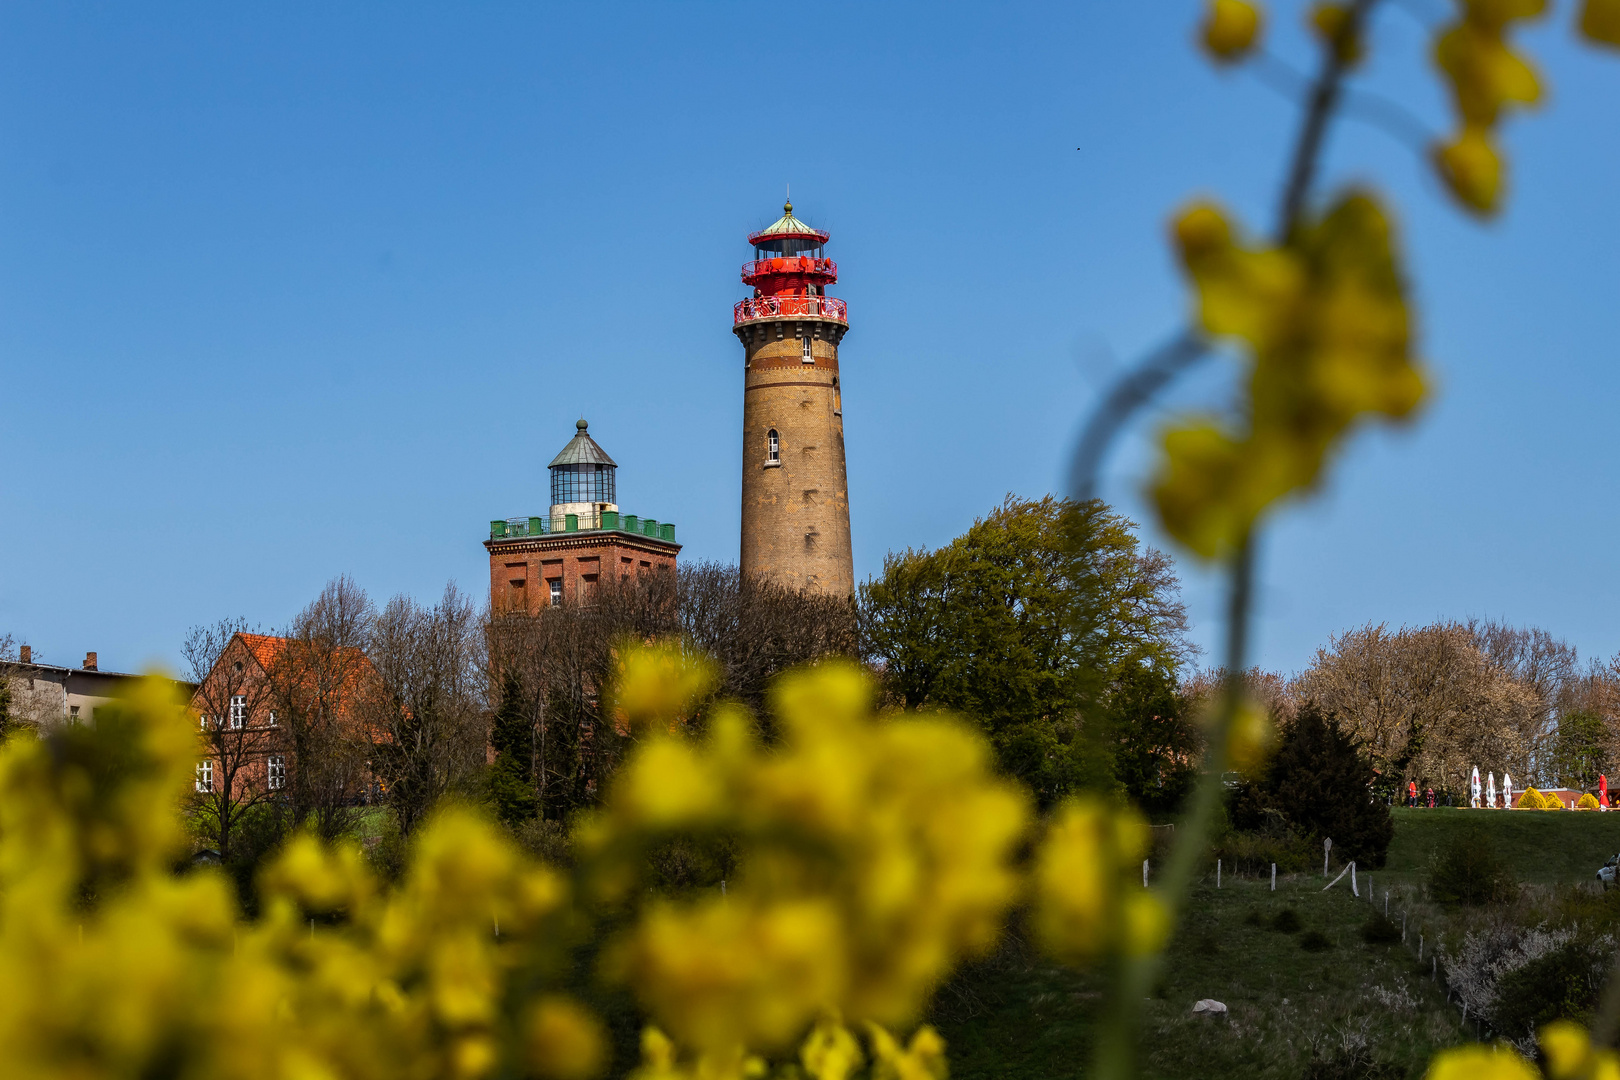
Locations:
(1081, 912)
(1324, 317)
(1568, 1053)
(871, 855)
(1487, 77)
(132, 970)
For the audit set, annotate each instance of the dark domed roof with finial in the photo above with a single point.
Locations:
(787, 226)
(582, 450)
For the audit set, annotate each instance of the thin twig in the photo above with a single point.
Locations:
(1128, 394)
(1117, 1046)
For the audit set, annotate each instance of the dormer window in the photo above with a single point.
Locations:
(773, 449)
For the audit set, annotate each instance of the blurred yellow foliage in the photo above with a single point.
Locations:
(1568, 1053)
(1486, 77)
(872, 854)
(1086, 902)
(1324, 318)
(1475, 1062)
(1600, 22)
(1231, 29)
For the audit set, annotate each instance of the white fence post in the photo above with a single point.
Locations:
(1273, 877)
(1353, 890)
(1144, 873)
(1217, 873)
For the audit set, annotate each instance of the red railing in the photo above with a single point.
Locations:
(773, 307)
(791, 264)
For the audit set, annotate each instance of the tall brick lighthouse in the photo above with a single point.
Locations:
(795, 497)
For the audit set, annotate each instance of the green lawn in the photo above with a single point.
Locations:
(1021, 1017)
(1545, 847)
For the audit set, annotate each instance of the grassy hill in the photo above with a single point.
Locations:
(1351, 1008)
(1544, 847)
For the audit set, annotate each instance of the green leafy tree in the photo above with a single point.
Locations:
(511, 778)
(1024, 622)
(1157, 744)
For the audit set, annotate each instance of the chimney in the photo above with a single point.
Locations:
(89, 661)
(27, 654)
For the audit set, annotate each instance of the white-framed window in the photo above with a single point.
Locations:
(202, 721)
(272, 718)
(556, 592)
(73, 713)
(238, 710)
(205, 775)
(276, 772)
(808, 358)
(773, 448)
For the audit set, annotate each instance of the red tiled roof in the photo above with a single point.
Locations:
(264, 647)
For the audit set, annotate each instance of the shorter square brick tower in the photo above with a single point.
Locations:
(539, 562)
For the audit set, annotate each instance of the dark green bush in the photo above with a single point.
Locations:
(1380, 930)
(1320, 785)
(1563, 985)
(1252, 851)
(1254, 918)
(1314, 941)
(1286, 921)
(1467, 869)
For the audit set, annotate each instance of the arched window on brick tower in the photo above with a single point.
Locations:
(773, 448)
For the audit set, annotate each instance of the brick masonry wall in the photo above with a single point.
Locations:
(521, 569)
(795, 515)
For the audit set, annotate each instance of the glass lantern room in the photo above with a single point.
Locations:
(583, 472)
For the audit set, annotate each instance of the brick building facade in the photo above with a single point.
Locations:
(583, 540)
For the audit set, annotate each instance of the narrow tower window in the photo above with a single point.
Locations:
(807, 357)
(773, 448)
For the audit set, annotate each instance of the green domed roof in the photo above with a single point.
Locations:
(785, 226)
(582, 450)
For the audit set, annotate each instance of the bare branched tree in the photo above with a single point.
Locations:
(320, 680)
(756, 628)
(559, 663)
(427, 720)
(235, 705)
(1430, 703)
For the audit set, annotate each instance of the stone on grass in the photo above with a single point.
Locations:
(1208, 1007)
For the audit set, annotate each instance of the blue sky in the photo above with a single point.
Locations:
(297, 290)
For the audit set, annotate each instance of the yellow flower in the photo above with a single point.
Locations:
(564, 1041)
(1084, 873)
(922, 1059)
(1251, 737)
(1480, 1063)
(1324, 318)
(1231, 29)
(1600, 22)
(660, 686)
(1331, 22)
(830, 1052)
(1472, 169)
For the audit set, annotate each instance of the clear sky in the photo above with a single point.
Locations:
(294, 290)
